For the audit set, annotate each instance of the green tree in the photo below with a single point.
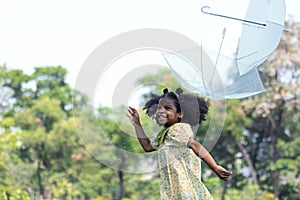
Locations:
(36, 122)
(14, 81)
(274, 113)
(50, 81)
(39, 117)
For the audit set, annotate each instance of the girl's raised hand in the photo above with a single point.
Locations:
(222, 172)
(133, 115)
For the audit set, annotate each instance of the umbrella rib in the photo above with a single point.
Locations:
(250, 54)
(204, 84)
(218, 15)
(217, 59)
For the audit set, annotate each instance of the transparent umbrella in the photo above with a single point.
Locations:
(236, 46)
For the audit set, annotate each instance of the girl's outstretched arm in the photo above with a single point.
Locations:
(208, 159)
(133, 115)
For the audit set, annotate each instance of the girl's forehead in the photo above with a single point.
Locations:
(165, 100)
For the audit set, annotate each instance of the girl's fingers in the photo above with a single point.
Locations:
(227, 173)
(131, 109)
(224, 174)
(135, 110)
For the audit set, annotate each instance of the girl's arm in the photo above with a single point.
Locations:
(140, 133)
(201, 152)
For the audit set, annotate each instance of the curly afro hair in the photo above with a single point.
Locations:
(193, 107)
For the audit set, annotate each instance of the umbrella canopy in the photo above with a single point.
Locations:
(251, 41)
(235, 46)
(252, 52)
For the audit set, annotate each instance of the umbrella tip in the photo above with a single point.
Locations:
(287, 30)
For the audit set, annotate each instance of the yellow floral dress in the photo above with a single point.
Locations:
(180, 167)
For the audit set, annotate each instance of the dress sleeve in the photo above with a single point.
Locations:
(179, 134)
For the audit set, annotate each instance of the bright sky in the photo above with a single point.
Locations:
(36, 33)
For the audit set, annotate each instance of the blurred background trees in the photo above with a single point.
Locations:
(43, 157)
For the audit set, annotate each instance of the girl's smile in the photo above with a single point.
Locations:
(161, 119)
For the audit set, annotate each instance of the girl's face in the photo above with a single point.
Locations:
(166, 113)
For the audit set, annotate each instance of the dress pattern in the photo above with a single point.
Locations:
(180, 167)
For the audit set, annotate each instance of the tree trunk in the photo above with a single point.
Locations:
(40, 184)
(276, 126)
(249, 162)
(121, 186)
(82, 197)
(30, 192)
(224, 191)
(275, 174)
(121, 179)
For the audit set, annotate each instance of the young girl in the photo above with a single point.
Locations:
(178, 152)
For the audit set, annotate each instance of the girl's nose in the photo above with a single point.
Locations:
(160, 110)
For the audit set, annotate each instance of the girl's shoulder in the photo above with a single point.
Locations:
(181, 127)
(180, 133)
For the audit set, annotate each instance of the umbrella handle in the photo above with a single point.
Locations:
(218, 15)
